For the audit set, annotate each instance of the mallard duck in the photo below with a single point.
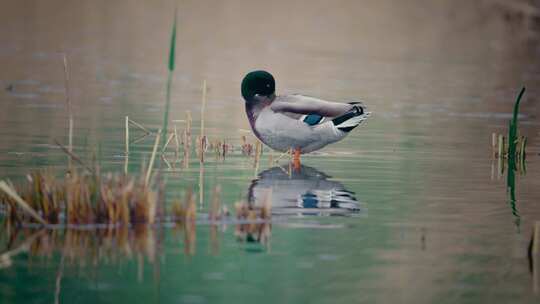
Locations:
(302, 123)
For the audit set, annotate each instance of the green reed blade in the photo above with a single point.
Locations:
(173, 45)
(512, 142)
(512, 133)
(172, 50)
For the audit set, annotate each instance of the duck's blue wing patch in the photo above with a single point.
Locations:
(312, 119)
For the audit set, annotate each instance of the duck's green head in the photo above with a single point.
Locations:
(258, 83)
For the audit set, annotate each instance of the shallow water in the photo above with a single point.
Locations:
(409, 208)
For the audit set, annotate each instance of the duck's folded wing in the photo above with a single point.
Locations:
(306, 105)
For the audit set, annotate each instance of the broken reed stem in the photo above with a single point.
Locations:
(73, 156)
(167, 143)
(522, 148)
(13, 194)
(494, 144)
(266, 208)
(166, 161)
(140, 138)
(501, 146)
(59, 276)
(187, 140)
(138, 125)
(281, 155)
(177, 142)
(290, 162)
(201, 185)
(152, 158)
(127, 134)
(126, 164)
(214, 213)
(24, 247)
(69, 109)
(258, 152)
(498, 146)
(203, 109)
(126, 160)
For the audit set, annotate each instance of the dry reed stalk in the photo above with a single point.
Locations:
(522, 148)
(177, 210)
(189, 123)
(69, 109)
(140, 138)
(5, 257)
(167, 143)
(126, 160)
(214, 240)
(138, 125)
(127, 134)
(187, 140)
(152, 158)
(126, 164)
(24, 205)
(201, 185)
(191, 209)
(266, 209)
(281, 155)
(247, 148)
(290, 162)
(198, 147)
(203, 109)
(214, 213)
(258, 152)
(73, 156)
(177, 142)
(164, 159)
(493, 145)
(185, 160)
(501, 146)
(59, 276)
(522, 155)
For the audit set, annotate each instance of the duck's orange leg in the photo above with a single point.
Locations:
(296, 159)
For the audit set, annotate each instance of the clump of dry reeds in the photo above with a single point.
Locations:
(254, 221)
(247, 148)
(184, 211)
(220, 148)
(80, 199)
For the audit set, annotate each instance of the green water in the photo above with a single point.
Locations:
(430, 220)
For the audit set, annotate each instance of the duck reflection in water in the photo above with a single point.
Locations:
(306, 192)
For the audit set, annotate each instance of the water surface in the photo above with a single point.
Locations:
(409, 208)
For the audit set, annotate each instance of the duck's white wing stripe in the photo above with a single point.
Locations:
(354, 121)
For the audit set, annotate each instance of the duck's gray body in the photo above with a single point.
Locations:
(280, 122)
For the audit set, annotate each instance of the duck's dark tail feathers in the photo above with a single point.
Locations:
(352, 118)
